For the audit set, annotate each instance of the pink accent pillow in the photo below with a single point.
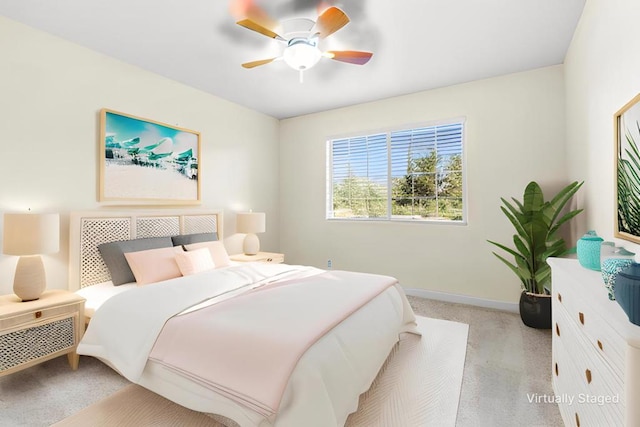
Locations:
(219, 253)
(195, 261)
(154, 265)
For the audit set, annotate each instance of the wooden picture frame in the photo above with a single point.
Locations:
(627, 171)
(147, 162)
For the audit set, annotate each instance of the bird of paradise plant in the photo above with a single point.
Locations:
(537, 223)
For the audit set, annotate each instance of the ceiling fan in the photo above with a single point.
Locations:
(302, 37)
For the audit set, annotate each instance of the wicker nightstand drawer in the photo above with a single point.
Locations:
(34, 331)
(30, 344)
(30, 317)
(272, 257)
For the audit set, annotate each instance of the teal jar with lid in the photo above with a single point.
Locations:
(588, 249)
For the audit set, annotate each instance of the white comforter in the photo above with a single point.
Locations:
(123, 332)
(124, 329)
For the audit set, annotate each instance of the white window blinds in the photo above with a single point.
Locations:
(412, 174)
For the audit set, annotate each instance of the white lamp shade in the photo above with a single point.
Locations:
(301, 56)
(251, 222)
(31, 234)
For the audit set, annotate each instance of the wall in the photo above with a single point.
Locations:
(602, 73)
(514, 134)
(51, 92)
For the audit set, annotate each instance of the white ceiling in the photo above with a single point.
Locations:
(417, 44)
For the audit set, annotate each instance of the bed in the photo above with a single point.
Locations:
(253, 344)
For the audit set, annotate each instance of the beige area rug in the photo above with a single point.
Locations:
(419, 385)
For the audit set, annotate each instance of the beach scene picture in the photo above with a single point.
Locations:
(147, 161)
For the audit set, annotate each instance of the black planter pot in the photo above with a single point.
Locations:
(535, 310)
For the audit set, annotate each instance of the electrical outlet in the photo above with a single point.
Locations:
(329, 263)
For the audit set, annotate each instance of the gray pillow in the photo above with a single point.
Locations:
(113, 256)
(187, 239)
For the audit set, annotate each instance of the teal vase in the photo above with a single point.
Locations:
(588, 249)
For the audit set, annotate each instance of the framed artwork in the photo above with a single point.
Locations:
(627, 168)
(146, 162)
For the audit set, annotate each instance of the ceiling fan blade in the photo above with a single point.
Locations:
(330, 21)
(350, 56)
(253, 17)
(258, 63)
(254, 26)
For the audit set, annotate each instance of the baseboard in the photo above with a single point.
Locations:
(464, 299)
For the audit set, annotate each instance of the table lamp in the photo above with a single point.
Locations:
(251, 223)
(28, 235)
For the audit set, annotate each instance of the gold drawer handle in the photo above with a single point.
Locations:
(556, 369)
(600, 345)
(269, 259)
(588, 374)
(557, 329)
(38, 314)
(577, 420)
(559, 297)
(581, 316)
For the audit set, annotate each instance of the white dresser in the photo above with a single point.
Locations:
(596, 351)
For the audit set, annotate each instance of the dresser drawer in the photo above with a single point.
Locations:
(599, 390)
(567, 390)
(565, 387)
(583, 402)
(599, 333)
(37, 316)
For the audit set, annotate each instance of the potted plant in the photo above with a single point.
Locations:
(536, 222)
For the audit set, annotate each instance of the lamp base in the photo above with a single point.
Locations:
(251, 244)
(29, 281)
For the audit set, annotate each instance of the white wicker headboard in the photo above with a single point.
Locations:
(89, 229)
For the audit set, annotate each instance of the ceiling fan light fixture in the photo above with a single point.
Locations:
(301, 36)
(301, 54)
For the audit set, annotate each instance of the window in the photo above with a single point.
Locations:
(413, 174)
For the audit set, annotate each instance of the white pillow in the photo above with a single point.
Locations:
(154, 265)
(195, 261)
(219, 253)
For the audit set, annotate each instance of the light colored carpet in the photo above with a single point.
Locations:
(419, 385)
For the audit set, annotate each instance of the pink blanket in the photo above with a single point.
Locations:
(246, 348)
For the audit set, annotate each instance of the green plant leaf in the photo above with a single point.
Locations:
(521, 247)
(507, 249)
(517, 224)
(561, 199)
(543, 278)
(533, 198)
(515, 269)
(562, 220)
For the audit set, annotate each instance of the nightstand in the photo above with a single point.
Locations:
(34, 331)
(260, 257)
